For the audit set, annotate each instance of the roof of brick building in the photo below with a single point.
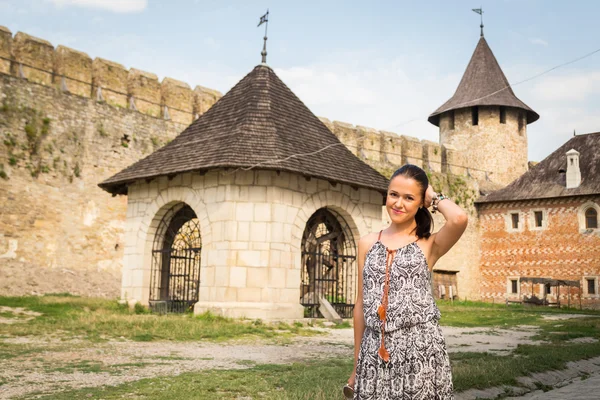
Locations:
(483, 84)
(258, 124)
(547, 179)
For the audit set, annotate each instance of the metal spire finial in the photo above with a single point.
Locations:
(264, 20)
(480, 12)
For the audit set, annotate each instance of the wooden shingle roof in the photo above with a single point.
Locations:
(258, 124)
(483, 84)
(547, 179)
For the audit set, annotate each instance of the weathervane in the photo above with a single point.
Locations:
(264, 20)
(480, 12)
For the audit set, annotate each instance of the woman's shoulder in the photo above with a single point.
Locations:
(368, 240)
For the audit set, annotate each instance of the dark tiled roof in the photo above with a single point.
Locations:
(545, 181)
(259, 121)
(483, 84)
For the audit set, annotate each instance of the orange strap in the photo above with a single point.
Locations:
(382, 310)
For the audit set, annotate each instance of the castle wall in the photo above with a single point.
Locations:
(60, 137)
(252, 224)
(387, 151)
(68, 122)
(561, 249)
(498, 150)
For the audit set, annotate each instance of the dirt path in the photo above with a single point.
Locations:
(49, 366)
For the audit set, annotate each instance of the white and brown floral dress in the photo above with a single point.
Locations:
(418, 365)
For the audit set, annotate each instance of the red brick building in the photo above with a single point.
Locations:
(545, 225)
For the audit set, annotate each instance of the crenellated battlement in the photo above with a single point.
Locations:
(387, 151)
(68, 121)
(73, 71)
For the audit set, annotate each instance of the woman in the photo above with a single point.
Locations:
(400, 352)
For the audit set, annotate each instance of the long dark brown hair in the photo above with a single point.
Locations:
(423, 217)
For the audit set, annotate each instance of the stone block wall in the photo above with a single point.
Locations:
(35, 58)
(252, 224)
(144, 90)
(432, 156)
(59, 232)
(387, 151)
(178, 99)
(109, 83)
(412, 151)
(73, 122)
(75, 72)
(492, 150)
(5, 50)
(561, 249)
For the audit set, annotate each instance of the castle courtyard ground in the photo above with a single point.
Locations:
(56, 347)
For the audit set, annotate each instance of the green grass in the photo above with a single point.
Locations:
(98, 319)
(307, 381)
(478, 314)
(9, 351)
(101, 319)
(316, 380)
(7, 314)
(482, 370)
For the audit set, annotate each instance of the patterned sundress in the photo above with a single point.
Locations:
(418, 366)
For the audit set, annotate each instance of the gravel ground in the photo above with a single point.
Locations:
(55, 365)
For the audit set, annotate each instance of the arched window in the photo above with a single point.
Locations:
(591, 218)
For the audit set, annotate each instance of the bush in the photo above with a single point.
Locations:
(138, 308)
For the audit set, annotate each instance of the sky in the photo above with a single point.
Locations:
(380, 64)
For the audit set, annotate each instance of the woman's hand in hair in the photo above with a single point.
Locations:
(429, 195)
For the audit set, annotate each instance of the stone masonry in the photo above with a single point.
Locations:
(501, 147)
(68, 122)
(251, 226)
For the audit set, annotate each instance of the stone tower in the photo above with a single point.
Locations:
(485, 121)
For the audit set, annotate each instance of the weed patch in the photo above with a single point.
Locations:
(101, 319)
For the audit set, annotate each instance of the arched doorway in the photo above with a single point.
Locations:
(175, 272)
(328, 264)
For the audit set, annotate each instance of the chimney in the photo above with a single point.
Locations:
(573, 172)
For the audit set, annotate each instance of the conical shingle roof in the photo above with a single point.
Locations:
(260, 124)
(483, 84)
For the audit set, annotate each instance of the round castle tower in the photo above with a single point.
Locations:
(485, 121)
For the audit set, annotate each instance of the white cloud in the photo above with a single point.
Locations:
(117, 6)
(538, 41)
(572, 85)
(565, 100)
(385, 94)
(391, 94)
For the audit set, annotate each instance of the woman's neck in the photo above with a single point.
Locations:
(407, 229)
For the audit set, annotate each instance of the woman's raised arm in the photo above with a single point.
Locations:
(456, 223)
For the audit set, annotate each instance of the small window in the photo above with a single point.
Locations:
(591, 218)
(502, 114)
(515, 220)
(451, 120)
(521, 123)
(514, 286)
(591, 285)
(475, 115)
(539, 218)
(548, 289)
